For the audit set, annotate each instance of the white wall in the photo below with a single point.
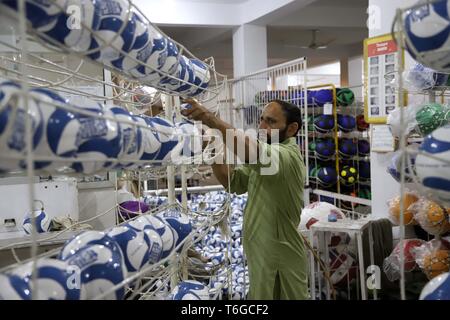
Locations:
(383, 186)
(355, 76)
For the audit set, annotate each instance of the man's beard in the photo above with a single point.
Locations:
(281, 136)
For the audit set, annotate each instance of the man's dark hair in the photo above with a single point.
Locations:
(292, 113)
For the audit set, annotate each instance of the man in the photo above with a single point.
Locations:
(276, 254)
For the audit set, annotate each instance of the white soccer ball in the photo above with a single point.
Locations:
(437, 289)
(42, 222)
(13, 287)
(202, 77)
(40, 13)
(13, 126)
(113, 16)
(100, 268)
(84, 239)
(179, 222)
(318, 211)
(166, 233)
(428, 29)
(134, 245)
(184, 77)
(150, 142)
(131, 138)
(190, 290)
(143, 224)
(434, 173)
(55, 280)
(70, 32)
(150, 58)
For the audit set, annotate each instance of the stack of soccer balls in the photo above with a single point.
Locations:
(92, 263)
(89, 138)
(214, 245)
(115, 34)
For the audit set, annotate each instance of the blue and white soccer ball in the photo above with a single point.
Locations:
(190, 290)
(131, 138)
(55, 279)
(144, 62)
(143, 224)
(134, 245)
(73, 33)
(100, 268)
(179, 222)
(202, 77)
(166, 233)
(97, 139)
(13, 125)
(84, 239)
(434, 173)
(150, 142)
(184, 77)
(42, 222)
(164, 132)
(428, 29)
(40, 13)
(437, 289)
(13, 287)
(113, 16)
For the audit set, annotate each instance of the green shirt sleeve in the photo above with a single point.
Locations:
(239, 180)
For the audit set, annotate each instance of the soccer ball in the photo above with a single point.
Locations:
(327, 176)
(165, 134)
(321, 97)
(391, 265)
(185, 72)
(150, 143)
(42, 222)
(100, 268)
(134, 245)
(12, 125)
(432, 217)
(131, 138)
(55, 280)
(348, 148)
(361, 123)
(166, 233)
(346, 123)
(427, 29)
(13, 288)
(364, 170)
(97, 139)
(179, 222)
(394, 209)
(344, 97)
(325, 149)
(142, 224)
(202, 77)
(40, 13)
(190, 290)
(112, 17)
(435, 173)
(348, 175)
(84, 239)
(324, 123)
(318, 211)
(343, 268)
(437, 289)
(64, 29)
(436, 263)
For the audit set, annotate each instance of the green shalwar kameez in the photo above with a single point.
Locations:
(276, 253)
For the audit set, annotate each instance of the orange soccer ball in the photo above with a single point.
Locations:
(394, 209)
(436, 215)
(436, 263)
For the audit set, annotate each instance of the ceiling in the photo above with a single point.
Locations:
(343, 22)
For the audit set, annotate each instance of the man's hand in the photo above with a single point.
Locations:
(197, 112)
